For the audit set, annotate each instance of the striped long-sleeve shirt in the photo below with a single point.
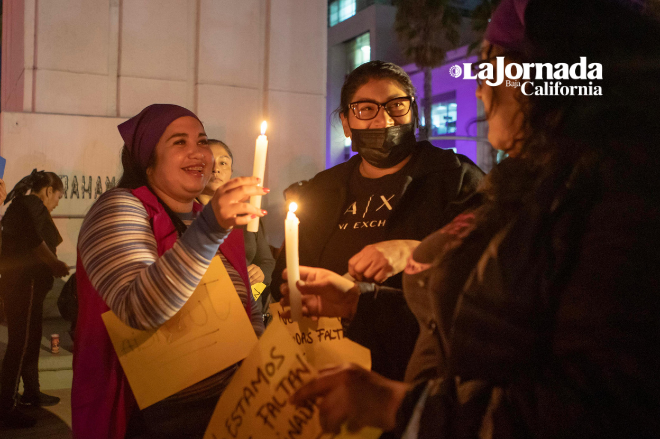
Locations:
(119, 252)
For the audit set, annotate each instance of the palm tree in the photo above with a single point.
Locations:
(480, 17)
(426, 29)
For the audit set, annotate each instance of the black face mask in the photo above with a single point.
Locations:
(384, 147)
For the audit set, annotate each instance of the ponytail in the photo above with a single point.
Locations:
(35, 182)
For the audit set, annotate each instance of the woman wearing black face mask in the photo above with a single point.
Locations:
(364, 217)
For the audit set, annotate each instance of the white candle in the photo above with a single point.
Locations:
(259, 169)
(292, 268)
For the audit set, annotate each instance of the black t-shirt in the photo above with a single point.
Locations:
(368, 206)
(25, 225)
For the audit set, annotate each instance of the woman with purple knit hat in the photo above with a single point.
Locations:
(161, 242)
(538, 310)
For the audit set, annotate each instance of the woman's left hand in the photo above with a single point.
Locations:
(255, 273)
(230, 202)
(353, 396)
(3, 191)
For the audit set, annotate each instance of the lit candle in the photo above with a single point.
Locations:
(292, 268)
(259, 169)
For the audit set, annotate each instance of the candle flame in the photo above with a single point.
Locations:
(293, 207)
(264, 125)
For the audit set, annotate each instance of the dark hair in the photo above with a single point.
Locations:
(224, 145)
(622, 125)
(35, 182)
(134, 176)
(376, 70)
(572, 139)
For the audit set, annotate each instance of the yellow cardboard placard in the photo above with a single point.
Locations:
(323, 341)
(209, 333)
(255, 404)
(257, 289)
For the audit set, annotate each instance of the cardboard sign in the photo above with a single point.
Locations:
(257, 289)
(209, 333)
(256, 402)
(323, 341)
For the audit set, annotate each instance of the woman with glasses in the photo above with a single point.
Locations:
(363, 217)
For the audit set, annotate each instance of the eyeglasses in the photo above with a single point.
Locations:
(367, 110)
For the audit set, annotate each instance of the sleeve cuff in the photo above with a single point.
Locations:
(205, 234)
(408, 406)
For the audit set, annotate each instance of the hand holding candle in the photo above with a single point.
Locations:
(292, 267)
(259, 170)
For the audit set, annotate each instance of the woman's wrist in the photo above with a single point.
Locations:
(397, 393)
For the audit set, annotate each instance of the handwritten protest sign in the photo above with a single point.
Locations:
(323, 341)
(255, 404)
(209, 333)
(257, 289)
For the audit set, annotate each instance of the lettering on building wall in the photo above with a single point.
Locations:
(85, 190)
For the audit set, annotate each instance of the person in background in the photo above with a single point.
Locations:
(554, 332)
(29, 262)
(260, 261)
(162, 243)
(3, 191)
(3, 195)
(365, 216)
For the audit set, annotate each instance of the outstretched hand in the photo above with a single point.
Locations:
(60, 268)
(230, 202)
(324, 293)
(377, 262)
(353, 396)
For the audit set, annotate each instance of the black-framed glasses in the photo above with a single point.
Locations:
(367, 110)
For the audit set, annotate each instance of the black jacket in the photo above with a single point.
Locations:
(438, 186)
(555, 333)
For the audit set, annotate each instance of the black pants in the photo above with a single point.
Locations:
(23, 299)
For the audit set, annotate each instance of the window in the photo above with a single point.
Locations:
(443, 118)
(340, 10)
(358, 51)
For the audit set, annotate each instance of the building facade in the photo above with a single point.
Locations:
(72, 70)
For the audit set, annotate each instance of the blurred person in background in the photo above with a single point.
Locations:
(260, 261)
(29, 262)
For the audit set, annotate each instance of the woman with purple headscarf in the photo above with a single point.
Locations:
(538, 311)
(143, 249)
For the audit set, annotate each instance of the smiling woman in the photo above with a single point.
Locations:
(142, 250)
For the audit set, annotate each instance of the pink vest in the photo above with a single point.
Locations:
(101, 399)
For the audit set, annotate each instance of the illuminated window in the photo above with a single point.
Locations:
(340, 10)
(358, 51)
(443, 118)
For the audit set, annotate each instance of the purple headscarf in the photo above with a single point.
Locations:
(142, 132)
(507, 25)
